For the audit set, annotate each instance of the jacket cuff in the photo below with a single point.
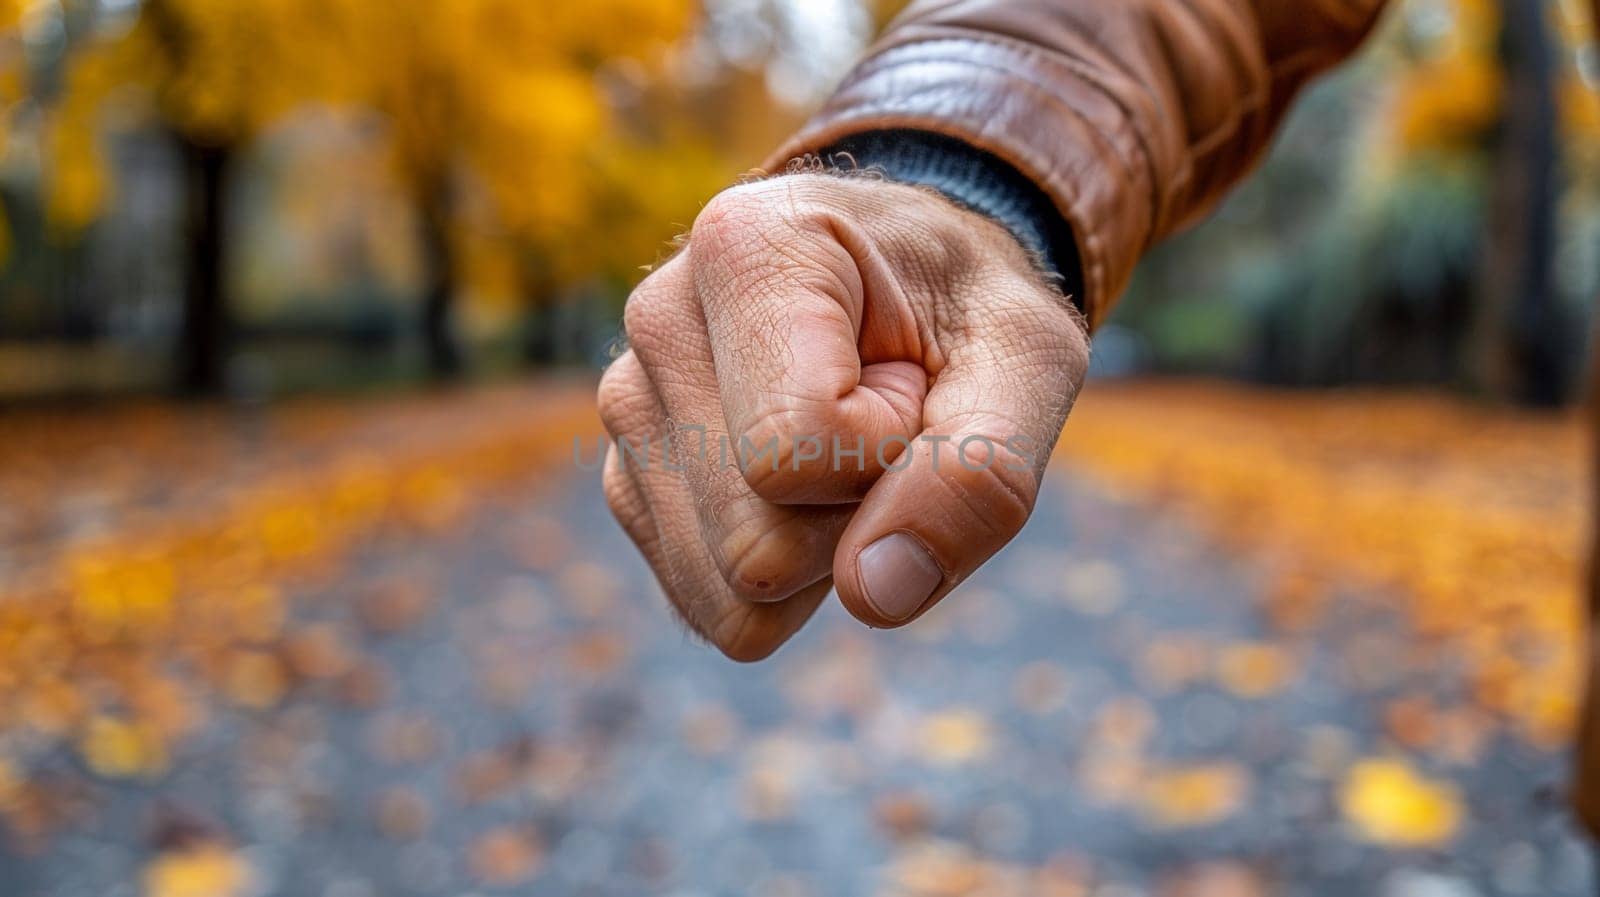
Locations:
(989, 92)
(978, 181)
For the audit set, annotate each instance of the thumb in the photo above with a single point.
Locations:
(970, 479)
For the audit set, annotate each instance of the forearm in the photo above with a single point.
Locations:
(1134, 117)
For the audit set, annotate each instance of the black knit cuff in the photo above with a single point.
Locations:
(979, 181)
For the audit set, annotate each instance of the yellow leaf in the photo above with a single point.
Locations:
(1196, 796)
(11, 783)
(1389, 803)
(207, 870)
(954, 737)
(117, 748)
(1254, 670)
(256, 679)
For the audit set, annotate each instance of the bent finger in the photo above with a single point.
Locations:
(763, 551)
(657, 510)
(782, 278)
(972, 477)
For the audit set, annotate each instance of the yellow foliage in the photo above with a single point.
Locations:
(77, 182)
(506, 102)
(13, 64)
(13, 72)
(650, 194)
(221, 71)
(1448, 94)
(215, 73)
(500, 115)
(1451, 95)
(1449, 103)
(1579, 98)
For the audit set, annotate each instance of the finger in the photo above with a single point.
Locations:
(971, 478)
(763, 551)
(742, 630)
(628, 505)
(783, 279)
(656, 509)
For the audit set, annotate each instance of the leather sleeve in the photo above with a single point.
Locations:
(1134, 116)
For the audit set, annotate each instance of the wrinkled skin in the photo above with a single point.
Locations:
(815, 305)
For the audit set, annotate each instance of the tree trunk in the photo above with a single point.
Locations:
(538, 291)
(441, 343)
(1520, 339)
(205, 332)
(1586, 785)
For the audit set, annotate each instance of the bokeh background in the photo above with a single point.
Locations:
(301, 592)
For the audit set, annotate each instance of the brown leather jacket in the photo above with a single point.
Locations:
(1134, 116)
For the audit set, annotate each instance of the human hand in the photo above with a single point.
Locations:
(815, 315)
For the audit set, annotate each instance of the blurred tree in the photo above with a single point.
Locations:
(13, 85)
(1521, 335)
(498, 112)
(1430, 255)
(501, 117)
(215, 75)
(1414, 227)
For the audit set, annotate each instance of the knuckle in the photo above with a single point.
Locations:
(737, 207)
(744, 634)
(766, 450)
(621, 497)
(752, 221)
(773, 483)
(624, 397)
(645, 317)
(633, 513)
(1045, 338)
(731, 219)
(795, 454)
(1060, 325)
(996, 496)
(1072, 331)
(780, 424)
(768, 560)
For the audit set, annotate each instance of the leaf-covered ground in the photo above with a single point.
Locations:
(1252, 644)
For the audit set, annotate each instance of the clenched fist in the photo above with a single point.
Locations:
(840, 382)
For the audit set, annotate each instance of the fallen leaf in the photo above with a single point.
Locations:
(1193, 796)
(954, 737)
(505, 856)
(1389, 803)
(403, 814)
(203, 870)
(1254, 670)
(902, 814)
(256, 680)
(120, 749)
